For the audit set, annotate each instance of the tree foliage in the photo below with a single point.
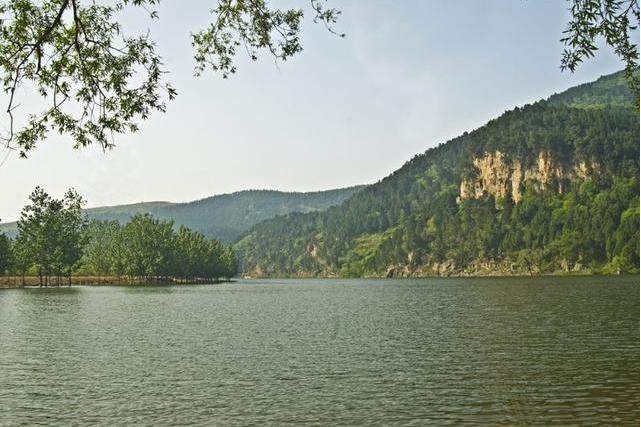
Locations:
(611, 20)
(50, 234)
(5, 254)
(150, 248)
(95, 81)
(253, 25)
(98, 80)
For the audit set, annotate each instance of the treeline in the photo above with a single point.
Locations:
(150, 248)
(413, 222)
(55, 240)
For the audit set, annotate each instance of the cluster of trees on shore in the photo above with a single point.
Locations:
(55, 240)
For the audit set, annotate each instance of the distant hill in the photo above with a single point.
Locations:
(548, 187)
(225, 216)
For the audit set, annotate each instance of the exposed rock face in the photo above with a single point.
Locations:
(494, 174)
(497, 176)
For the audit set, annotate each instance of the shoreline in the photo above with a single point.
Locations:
(31, 284)
(16, 282)
(445, 276)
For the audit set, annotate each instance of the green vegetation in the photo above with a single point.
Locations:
(49, 236)
(613, 21)
(224, 217)
(55, 240)
(150, 248)
(609, 91)
(575, 172)
(5, 253)
(77, 57)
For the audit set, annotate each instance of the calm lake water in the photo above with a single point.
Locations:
(486, 351)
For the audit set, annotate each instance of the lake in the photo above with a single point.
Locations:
(487, 351)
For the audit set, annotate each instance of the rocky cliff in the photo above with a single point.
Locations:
(497, 176)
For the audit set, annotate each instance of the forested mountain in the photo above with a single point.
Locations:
(223, 217)
(548, 187)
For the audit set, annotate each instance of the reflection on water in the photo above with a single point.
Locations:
(509, 351)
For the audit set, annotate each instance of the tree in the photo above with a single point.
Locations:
(31, 242)
(529, 260)
(71, 238)
(98, 251)
(97, 82)
(230, 263)
(612, 20)
(192, 255)
(146, 247)
(19, 260)
(5, 254)
(50, 234)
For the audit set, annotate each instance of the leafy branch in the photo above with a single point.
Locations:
(253, 25)
(97, 82)
(612, 20)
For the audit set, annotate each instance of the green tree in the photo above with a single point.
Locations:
(530, 260)
(50, 234)
(5, 254)
(611, 20)
(146, 247)
(19, 260)
(97, 81)
(71, 237)
(99, 249)
(32, 241)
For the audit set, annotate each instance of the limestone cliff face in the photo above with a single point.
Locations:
(497, 176)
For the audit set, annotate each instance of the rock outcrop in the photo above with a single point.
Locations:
(497, 176)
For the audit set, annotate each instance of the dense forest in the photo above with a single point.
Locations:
(223, 217)
(56, 240)
(548, 187)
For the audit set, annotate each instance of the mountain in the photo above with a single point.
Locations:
(549, 187)
(224, 217)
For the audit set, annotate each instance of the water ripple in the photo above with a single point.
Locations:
(383, 352)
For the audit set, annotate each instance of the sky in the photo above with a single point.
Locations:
(408, 76)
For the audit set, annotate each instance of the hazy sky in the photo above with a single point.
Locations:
(408, 76)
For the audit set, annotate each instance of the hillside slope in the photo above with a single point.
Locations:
(549, 187)
(225, 216)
